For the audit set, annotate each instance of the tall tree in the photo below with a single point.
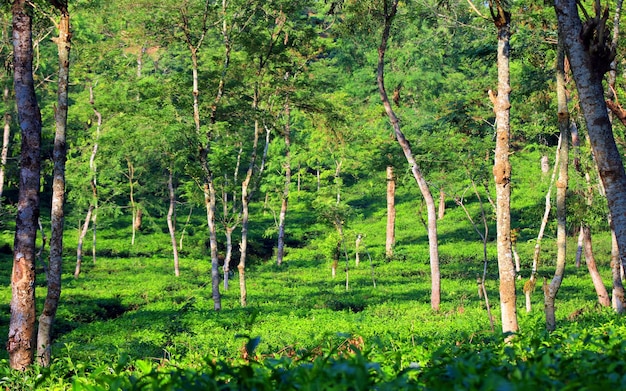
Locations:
(389, 12)
(280, 248)
(21, 340)
(502, 168)
(57, 218)
(590, 53)
(194, 40)
(550, 290)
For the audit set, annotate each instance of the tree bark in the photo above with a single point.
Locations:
(502, 175)
(21, 339)
(435, 297)
(280, 250)
(391, 213)
(561, 189)
(57, 218)
(171, 215)
(589, 61)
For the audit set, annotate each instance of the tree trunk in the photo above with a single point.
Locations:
(171, 215)
(57, 218)
(616, 265)
(530, 285)
(21, 339)
(248, 187)
(209, 200)
(391, 213)
(561, 190)
(502, 176)
(81, 240)
(441, 211)
(245, 215)
(617, 297)
(229, 255)
(94, 177)
(589, 61)
(4, 153)
(610, 93)
(435, 297)
(579, 246)
(338, 181)
(133, 205)
(280, 251)
(603, 296)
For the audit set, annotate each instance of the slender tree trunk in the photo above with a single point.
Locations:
(502, 175)
(579, 246)
(561, 189)
(435, 298)
(182, 234)
(245, 215)
(391, 213)
(441, 210)
(81, 240)
(4, 153)
(21, 339)
(171, 215)
(209, 199)
(589, 61)
(285, 198)
(94, 178)
(338, 181)
(248, 187)
(229, 255)
(617, 297)
(603, 296)
(94, 231)
(529, 286)
(204, 148)
(57, 218)
(133, 204)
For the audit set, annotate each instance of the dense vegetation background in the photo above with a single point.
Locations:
(309, 68)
